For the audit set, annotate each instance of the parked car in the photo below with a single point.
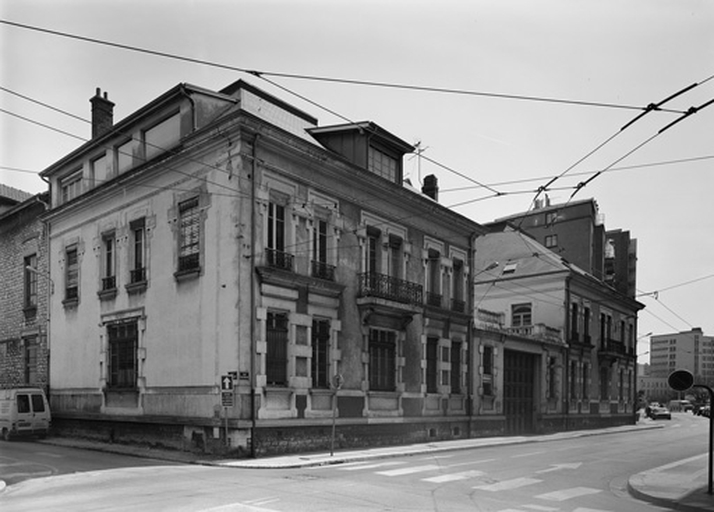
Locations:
(24, 411)
(704, 410)
(660, 413)
(680, 405)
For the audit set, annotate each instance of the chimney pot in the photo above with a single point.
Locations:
(431, 187)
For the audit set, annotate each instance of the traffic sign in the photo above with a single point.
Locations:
(680, 380)
(227, 398)
(227, 383)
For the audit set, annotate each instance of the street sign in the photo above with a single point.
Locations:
(227, 383)
(227, 398)
(680, 380)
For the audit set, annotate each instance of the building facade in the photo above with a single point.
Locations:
(559, 343)
(214, 234)
(24, 319)
(686, 350)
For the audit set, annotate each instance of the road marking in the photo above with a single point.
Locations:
(567, 494)
(470, 463)
(369, 466)
(452, 477)
(556, 467)
(408, 471)
(527, 454)
(541, 508)
(48, 454)
(508, 484)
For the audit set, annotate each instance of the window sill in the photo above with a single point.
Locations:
(185, 275)
(70, 303)
(137, 287)
(107, 294)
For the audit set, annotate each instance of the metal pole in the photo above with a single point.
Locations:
(334, 421)
(711, 432)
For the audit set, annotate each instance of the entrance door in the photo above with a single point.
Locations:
(519, 391)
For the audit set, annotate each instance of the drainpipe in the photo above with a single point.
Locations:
(50, 288)
(566, 324)
(253, 217)
(194, 121)
(470, 333)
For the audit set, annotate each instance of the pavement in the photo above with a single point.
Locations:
(682, 485)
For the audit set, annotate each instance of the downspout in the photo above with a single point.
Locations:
(194, 122)
(470, 333)
(253, 217)
(566, 324)
(51, 287)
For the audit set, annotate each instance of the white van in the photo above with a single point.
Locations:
(24, 411)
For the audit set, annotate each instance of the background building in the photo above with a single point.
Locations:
(687, 350)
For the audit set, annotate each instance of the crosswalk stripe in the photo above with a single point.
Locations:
(452, 477)
(508, 484)
(567, 494)
(370, 466)
(408, 471)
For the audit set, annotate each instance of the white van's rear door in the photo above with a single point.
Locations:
(40, 421)
(25, 422)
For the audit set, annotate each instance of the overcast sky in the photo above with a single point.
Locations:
(603, 57)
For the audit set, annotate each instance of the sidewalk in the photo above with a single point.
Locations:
(681, 485)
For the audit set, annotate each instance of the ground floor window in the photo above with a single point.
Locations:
(604, 383)
(432, 361)
(122, 344)
(276, 357)
(31, 350)
(382, 360)
(455, 367)
(320, 353)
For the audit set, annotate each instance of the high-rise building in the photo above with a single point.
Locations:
(687, 350)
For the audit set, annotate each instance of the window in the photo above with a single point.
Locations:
(445, 379)
(432, 361)
(320, 353)
(30, 262)
(574, 322)
(372, 250)
(99, 171)
(382, 164)
(551, 218)
(395, 256)
(586, 324)
(573, 380)
(320, 267)
(552, 378)
(125, 156)
(31, 360)
(276, 357)
(277, 257)
(71, 186)
(455, 367)
(138, 251)
(457, 287)
(122, 341)
(585, 382)
(487, 370)
(604, 383)
(189, 235)
(521, 315)
(109, 278)
(551, 241)
(433, 280)
(71, 277)
(382, 360)
(161, 136)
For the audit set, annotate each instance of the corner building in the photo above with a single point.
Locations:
(226, 233)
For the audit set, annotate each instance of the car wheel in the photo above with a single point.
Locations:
(5, 434)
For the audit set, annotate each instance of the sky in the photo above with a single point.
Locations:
(500, 96)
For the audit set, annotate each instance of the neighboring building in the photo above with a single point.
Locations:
(558, 344)
(24, 352)
(687, 350)
(576, 232)
(225, 233)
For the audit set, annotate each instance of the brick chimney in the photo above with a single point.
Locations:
(102, 114)
(431, 187)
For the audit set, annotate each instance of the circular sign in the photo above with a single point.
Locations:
(680, 380)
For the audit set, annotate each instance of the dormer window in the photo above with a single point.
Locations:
(161, 136)
(71, 186)
(382, 164)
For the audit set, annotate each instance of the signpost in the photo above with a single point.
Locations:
(337, 381)
(226, 398)
(682, 380)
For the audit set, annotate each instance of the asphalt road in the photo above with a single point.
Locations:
(570, 475)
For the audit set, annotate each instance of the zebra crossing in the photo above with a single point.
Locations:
(544, 502)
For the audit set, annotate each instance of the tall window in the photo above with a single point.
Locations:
(122, 340)
(138, 251)
(321, 353)
(395, 256)
(552, 378)
(277, 257)
(574, 322)
(586, 325)
(455, 367)
(320, 267)
(521, 315)
(125, 156)
(586, 381)
(276, 357)
(109, 279)
(457, 287)
(99, 171)
(71, 186)
(433, 284)
(487, 370)
(189, 235)
(382, 164)
(382, 360)
(604, 383)
(31, 360)
(71, 276)
(432, 365)
(30, 281)
(573, 380)
(372, 250)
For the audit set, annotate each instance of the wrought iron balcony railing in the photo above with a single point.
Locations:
(189, 262)
(373, 284)
(458, 305)
(137, 275)
(109, 283)
(279, 259)
(323, 270)
(433, 299)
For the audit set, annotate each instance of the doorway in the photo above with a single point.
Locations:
(519, 391)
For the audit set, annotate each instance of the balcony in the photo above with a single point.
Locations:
(189, 262)
(537, 331)
(433, 299)
(373, 284)
(279, 259)
(109, 283)
(611, 350)
(458, 305)
(322, 270)
(138, 275)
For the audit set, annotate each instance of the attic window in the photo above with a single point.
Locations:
(382, 164)
(509, 268)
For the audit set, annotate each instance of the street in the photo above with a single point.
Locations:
(569, 475)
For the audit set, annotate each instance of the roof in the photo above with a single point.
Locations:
(550, 208)
(361, 126)
(14, 194)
